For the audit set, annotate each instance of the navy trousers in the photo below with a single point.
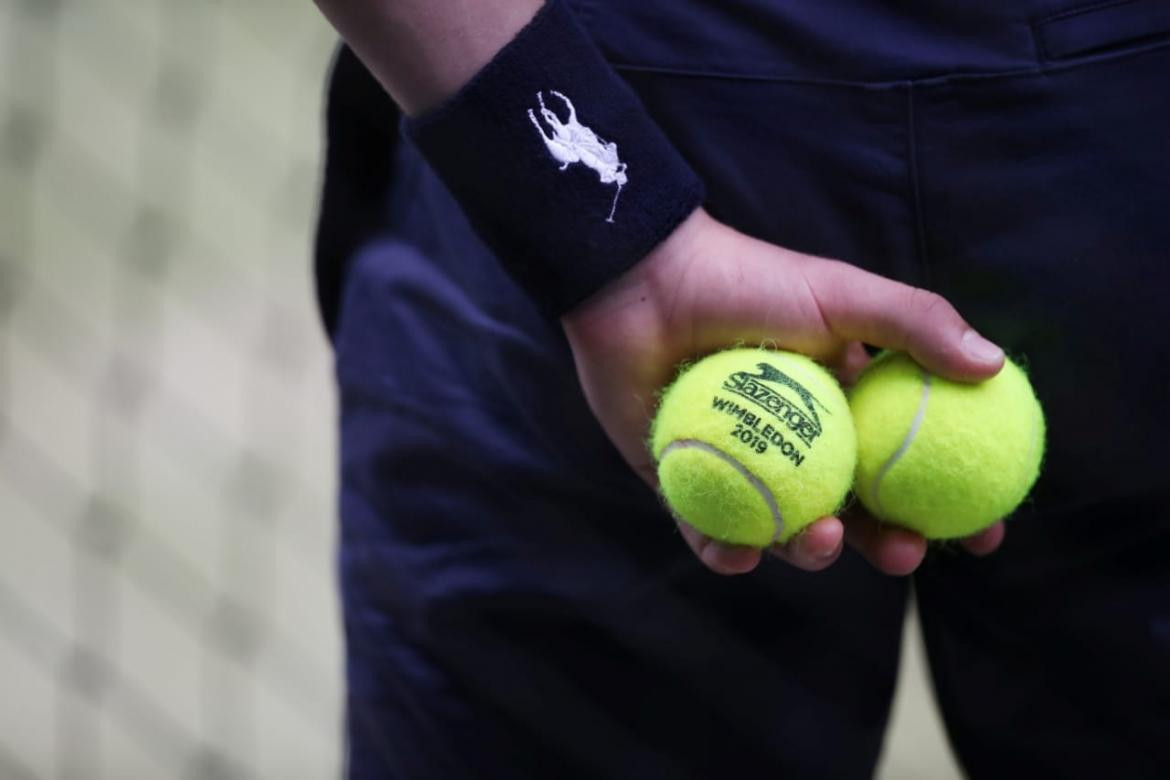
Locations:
(517, 604)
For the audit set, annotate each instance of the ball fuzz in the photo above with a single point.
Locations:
(753, 445)
(945, 459)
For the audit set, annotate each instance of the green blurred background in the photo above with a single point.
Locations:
(167, 444)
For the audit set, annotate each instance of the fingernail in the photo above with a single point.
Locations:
(805, 545)
(980, 348)
(809, 549)
(824, 556)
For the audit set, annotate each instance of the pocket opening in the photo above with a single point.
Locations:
(1103, 28)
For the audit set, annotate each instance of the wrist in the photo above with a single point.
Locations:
(642, 292)
(557, 164)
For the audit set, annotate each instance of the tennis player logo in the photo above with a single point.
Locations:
(571, 142)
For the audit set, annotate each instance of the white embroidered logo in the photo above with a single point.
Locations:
(571, 142)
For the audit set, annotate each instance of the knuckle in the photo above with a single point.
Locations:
(927, 303)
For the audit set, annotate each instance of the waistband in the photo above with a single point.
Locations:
(865, 41)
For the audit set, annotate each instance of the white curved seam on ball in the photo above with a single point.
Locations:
(915, 424)
(753, 480)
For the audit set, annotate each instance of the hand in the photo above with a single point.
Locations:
(708, 287)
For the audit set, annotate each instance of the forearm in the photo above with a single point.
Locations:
(423, 51)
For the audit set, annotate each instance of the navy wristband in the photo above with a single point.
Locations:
(556, 163)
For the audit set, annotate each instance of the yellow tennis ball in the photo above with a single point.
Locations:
(753, 445)
(945, 459)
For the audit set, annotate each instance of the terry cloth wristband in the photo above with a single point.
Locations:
(556, 163)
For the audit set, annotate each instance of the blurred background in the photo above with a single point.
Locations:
(167, 444)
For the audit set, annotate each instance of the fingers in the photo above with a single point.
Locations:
(816, 547)
(860, 305)
(985, 542)
(813, 549)
(888, 548)
(897, 551)
(719, 557)
(848, 364)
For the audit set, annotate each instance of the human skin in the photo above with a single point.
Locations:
(688, 297)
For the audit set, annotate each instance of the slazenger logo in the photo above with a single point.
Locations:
(799, 415)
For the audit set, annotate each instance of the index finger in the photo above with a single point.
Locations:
(863, 306)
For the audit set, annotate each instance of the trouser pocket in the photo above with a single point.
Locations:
(1103, 28)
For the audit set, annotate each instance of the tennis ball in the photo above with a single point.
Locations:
(752, 445)
(945, 459)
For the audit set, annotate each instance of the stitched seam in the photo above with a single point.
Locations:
(915, 186)
(1087, 9)
(757, 484)
(667, 70)
(585, 11)
(1039, 69)
(1041, 40)
(907, 441)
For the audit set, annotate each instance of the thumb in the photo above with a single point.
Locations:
(859, 305)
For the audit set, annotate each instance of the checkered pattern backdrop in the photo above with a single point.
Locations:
(167, 452)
